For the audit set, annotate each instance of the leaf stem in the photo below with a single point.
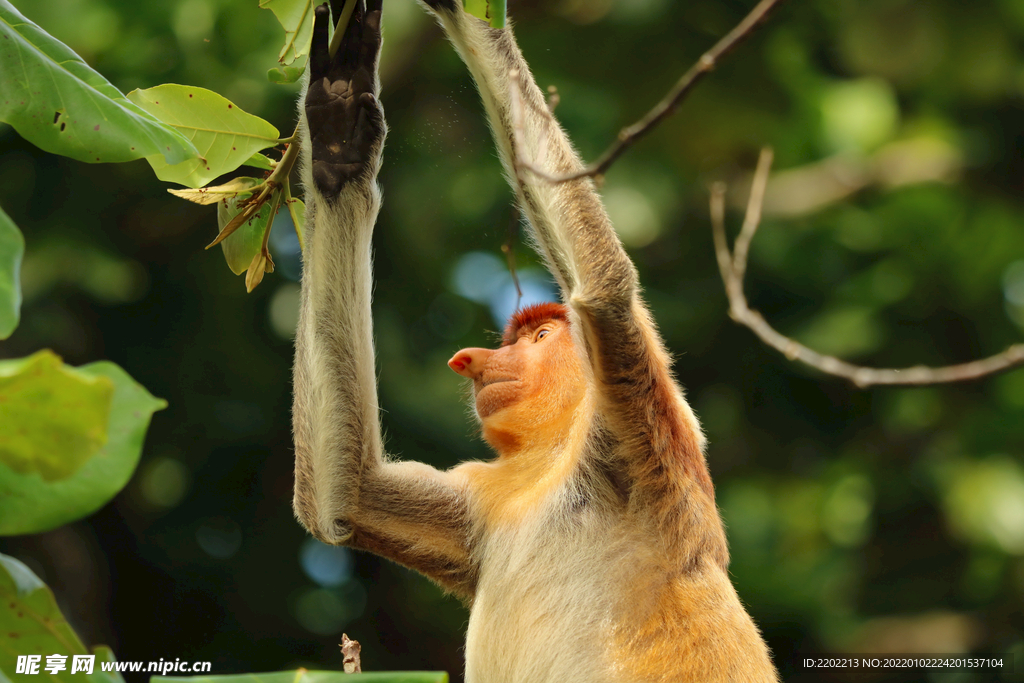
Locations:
(339, 28)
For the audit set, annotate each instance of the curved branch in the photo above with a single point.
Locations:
(668, 104)
(732, 266)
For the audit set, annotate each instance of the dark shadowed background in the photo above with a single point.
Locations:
(889, 520)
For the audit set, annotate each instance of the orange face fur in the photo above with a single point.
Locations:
(527, 388)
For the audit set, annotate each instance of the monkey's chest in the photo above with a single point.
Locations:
(543, 606)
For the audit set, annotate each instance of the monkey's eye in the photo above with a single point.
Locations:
(541, 333)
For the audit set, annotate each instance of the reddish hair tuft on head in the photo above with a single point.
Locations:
(532, 316)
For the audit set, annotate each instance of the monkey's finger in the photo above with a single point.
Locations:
(371, 32)
(319, 52)
(370, 124)
(353, 35)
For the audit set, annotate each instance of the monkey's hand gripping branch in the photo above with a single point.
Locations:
(345, 489)
(344, 121)
(342, 131)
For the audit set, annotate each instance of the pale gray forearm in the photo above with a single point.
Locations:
(568, 219)
(337, 432)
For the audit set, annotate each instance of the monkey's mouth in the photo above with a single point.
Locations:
(495, 380)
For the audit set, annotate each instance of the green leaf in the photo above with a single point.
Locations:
(296, 16)
(12, 249)
(52, 417)
(261, 161)
(478, 8)
(31, 623)
(58, 103)
(225, 136)
(286, 74)
(491, 11)
(242, 245)
(303, 676)
(496, 13)
(32, 505)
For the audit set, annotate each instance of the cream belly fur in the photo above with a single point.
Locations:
(535, 616)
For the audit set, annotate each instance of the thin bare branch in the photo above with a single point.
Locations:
(733, 268)
(508, 248)
(753, 218)
(663, 109)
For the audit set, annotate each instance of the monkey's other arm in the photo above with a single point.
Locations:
(661, 444)
(346, 492)
(677, 617)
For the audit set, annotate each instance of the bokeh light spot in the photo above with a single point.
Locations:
(327, 565)
(219, 537)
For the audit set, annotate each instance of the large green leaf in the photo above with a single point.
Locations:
(303, 676)
(31, 624)
(53, 418)
(243, 244)
(31, 504)
(58, 103)
(296, 16)
(12, 248)
(225, 136)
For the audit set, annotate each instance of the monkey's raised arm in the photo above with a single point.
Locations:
(639, 399)
(345, 490)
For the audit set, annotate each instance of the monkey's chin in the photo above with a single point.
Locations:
(492, 398)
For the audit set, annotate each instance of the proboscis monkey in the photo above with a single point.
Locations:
(590, 549)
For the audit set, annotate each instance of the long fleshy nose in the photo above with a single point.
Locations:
(470, 362)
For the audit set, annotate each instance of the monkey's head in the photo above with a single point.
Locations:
(532, 383)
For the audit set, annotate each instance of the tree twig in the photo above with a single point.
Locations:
(668, 104)
(733, 265)
(508, 248)
(350, 650)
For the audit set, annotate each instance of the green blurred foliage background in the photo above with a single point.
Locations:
(889, 520)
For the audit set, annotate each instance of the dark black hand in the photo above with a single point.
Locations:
(346, 123)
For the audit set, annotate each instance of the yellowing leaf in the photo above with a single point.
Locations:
(53, 418)
(212, 195)
(261, 263)
(31, 504)
(225, 136)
